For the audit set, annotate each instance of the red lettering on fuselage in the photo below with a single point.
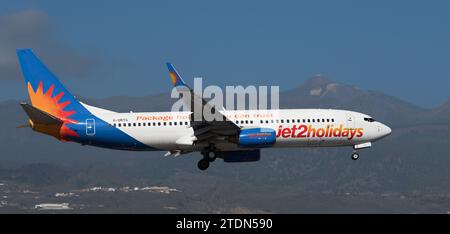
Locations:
(308, 131)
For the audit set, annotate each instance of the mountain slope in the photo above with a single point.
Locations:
(320, 92)
(443, 110)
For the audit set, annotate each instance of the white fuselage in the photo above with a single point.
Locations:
(294, 127)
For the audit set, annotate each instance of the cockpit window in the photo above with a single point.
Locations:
(369, 120)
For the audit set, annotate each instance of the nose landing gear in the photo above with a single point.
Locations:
(355, 155)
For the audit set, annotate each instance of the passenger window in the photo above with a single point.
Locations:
(261, 121)
(313, 120)
(170, 123)
(159, 123)
(165, 123)
(119, 125)
(277, 121)
(251, 121)
(282, 121)
(139, 124)
(246, 121)
(186, 123)
(175, 123)
(267, 121)
(181, 123)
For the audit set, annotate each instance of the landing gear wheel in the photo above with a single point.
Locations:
(355, 156)
(203, 164)
(211, 155)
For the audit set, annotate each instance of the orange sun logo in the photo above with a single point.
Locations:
(45, 102)
(173, 77)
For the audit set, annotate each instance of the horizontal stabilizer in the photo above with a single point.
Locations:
(40, 117)
(23, 126)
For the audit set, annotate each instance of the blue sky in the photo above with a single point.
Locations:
(401, 48)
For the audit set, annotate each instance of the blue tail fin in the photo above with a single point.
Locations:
(46, 92)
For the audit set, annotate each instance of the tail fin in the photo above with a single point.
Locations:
(46, 92)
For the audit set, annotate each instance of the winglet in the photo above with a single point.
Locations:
(176, 78)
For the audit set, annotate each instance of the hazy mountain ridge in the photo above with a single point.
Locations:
(443, 110)
(320, 92)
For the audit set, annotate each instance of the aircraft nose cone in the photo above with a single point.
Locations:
(386, 131)
(383, 130)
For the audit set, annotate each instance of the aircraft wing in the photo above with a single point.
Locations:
(204, 131)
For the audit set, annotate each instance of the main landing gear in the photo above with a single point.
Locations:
(208, 157)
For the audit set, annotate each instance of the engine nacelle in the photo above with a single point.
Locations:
(240, 156)
(257, 137)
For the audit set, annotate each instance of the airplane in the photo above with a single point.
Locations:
(239, 136)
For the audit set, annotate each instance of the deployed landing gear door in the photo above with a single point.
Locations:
(90, 127)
